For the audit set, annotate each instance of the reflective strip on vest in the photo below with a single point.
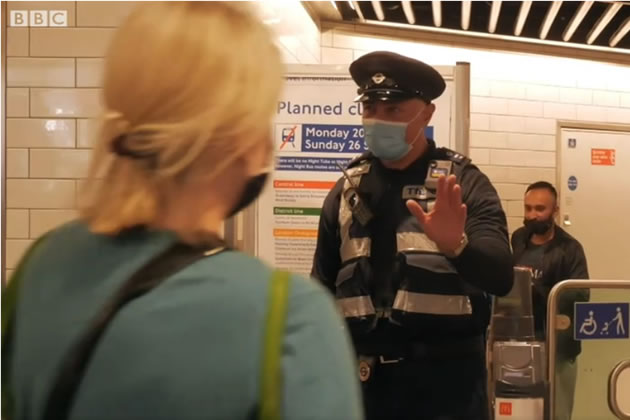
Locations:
(355, 248)
(424, 303)
(415, 241)
(352, 247)
(356, 307)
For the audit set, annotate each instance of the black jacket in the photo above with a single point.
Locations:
(485, 263)
(563, 259)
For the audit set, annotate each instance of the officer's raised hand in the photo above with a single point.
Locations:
(445, 224)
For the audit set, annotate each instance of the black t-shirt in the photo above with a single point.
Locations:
(532, 258)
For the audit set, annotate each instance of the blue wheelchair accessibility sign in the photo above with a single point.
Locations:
(595, 321)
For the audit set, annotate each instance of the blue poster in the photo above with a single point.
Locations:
(328, 138)
(596, 321)
(428, 133)
(314, 164)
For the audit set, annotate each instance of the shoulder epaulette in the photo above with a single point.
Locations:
(448, 154)
(363, 158)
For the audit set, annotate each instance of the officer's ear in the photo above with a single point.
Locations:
(427, 113)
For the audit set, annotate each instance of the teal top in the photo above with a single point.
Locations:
(189, 349)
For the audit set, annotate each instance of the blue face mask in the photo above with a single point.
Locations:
(387, 139)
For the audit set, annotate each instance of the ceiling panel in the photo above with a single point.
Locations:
(590, 13)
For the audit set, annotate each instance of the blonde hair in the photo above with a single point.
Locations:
(181, 79)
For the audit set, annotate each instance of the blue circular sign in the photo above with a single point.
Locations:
(572, 183)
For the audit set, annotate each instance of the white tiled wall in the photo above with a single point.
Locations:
(51, 78)
(53, 94)
(516, 100)
(298, 35)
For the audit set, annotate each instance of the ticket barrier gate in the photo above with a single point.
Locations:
(516, 361)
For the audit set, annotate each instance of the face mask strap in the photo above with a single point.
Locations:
(419, 132)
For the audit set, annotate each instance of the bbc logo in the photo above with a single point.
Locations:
(39, 18)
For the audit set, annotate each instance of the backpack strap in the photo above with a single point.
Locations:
(76, 360)
(271, 373)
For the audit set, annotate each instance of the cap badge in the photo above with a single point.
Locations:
(378, 78)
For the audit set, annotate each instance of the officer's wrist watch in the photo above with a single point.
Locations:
(460, 248)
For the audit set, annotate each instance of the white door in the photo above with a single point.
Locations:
(595, 197)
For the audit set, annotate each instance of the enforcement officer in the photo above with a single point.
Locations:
(412, 240)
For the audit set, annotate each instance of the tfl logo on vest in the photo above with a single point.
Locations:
(416, 192)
